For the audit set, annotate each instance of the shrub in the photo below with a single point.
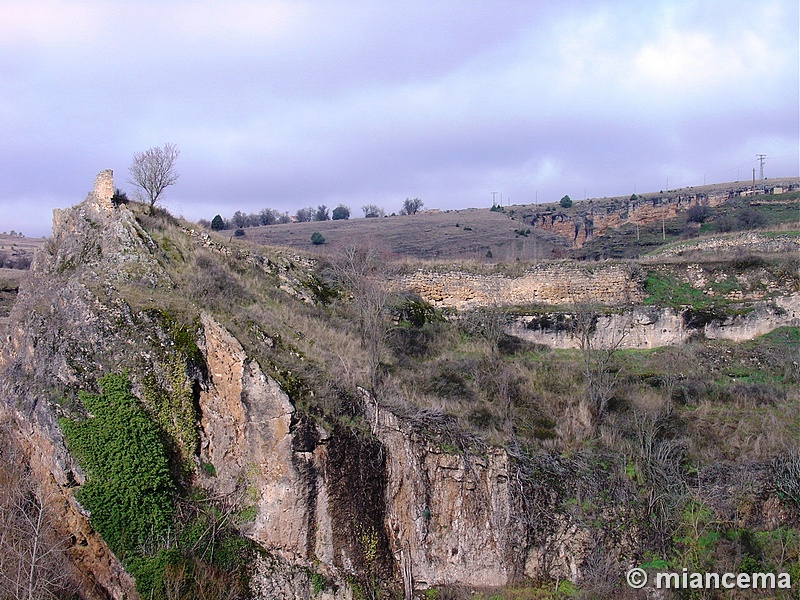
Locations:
(698, 214)
(750, 218)
(372, 211)
(416, 312)
(725, 223)
(317, 238)
(786, 477)
(217, 223)
(304, 215)
(128, 489)
(239, 233)
(119, 197)
(565, 202)
(341, 213)
(322, 213)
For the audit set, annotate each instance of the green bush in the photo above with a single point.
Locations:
(698, 214)
(317, 238)
(341, 213)
(217, 223)
(128, 489)
(565, 202)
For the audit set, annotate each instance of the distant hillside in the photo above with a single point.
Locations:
(16, 251)
(187, 417)
(479, 234)
(597, 228)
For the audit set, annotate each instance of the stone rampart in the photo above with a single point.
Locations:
(103, 190)
(558, 283)
(750, 241)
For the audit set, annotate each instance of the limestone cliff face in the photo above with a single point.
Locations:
(594, 220)
(398, 508)
(450, 518)
(652, 327)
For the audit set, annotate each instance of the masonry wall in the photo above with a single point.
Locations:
(557, 283)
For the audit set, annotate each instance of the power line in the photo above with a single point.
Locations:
(761, 158)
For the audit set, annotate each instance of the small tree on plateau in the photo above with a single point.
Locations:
(341, 213)
(154, 170)
(411, 206)
(217, 223)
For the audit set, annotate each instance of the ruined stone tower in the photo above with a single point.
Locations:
(104, 188)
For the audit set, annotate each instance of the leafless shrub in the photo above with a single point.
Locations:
(599, 372)
(487, 322)
(357, 271)
(33, 564)
(755, 394)
(786, 483)
(600, 575)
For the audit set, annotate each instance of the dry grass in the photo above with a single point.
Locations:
(458, 234)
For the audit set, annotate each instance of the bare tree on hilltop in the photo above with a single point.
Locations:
(411, 206)
(154, 170)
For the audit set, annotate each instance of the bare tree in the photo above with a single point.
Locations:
(411, 206)
(357, 271)
(154, 170)
(489, 322)
(598, 371)
(372, 210)
(33, 564)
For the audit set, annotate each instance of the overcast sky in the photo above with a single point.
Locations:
(293, 104)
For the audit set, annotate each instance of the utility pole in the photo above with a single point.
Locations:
(761, 158)
(494, 195)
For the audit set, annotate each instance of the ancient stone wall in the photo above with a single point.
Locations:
(546, 283)
(104, 188)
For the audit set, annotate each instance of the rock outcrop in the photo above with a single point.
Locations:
(653, 327)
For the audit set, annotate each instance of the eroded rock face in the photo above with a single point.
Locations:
(652, 327)
(246, 420)
(317, 495)
(453, 518)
